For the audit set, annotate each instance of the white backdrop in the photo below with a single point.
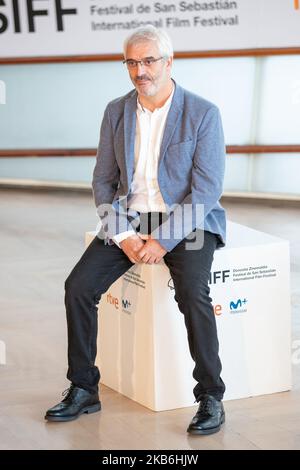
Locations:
(70, 27)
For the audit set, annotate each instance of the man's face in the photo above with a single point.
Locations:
(148, 81)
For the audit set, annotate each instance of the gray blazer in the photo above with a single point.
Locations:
(190, 168)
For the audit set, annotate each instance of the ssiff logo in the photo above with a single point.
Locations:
(215, 277)
(219, 276)
(28, 13)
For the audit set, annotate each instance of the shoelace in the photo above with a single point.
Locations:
(205, 407)
(66, 393)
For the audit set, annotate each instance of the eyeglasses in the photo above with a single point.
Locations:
(147, 62)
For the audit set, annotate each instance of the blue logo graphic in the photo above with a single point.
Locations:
(239, 304)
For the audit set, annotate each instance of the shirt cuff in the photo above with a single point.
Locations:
(122, 236)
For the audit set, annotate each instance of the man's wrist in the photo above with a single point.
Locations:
(122, 236)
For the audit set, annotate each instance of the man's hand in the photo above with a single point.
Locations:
(151, 252)
(131, 247)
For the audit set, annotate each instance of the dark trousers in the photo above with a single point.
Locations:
(101, 265)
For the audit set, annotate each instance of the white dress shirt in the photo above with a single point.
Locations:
(145, 195)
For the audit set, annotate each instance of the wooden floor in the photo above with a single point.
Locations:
(41, 239)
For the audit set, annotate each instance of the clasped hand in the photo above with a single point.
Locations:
(143, 249)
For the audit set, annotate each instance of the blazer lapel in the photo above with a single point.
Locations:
(173, 117)
(129, 135)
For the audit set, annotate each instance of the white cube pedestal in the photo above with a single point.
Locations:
(142, 342)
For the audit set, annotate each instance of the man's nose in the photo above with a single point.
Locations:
(140, 67)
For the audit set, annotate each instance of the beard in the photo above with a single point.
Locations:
(145, 85)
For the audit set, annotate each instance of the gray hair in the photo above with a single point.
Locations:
(150, 33)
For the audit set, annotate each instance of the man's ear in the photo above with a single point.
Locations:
(170, 62)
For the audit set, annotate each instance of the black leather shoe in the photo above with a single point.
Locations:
(209, 417)
(76, 402)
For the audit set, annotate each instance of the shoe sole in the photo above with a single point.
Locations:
(87, 409)
(206, 432)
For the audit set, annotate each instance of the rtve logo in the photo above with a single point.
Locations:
(12, 14)
(297, 4)
(115, 302)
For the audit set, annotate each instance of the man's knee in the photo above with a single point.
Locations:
(83, 287)
(190, 292)
(72, 285)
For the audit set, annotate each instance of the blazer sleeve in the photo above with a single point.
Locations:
(106, 172)
(105, 182)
